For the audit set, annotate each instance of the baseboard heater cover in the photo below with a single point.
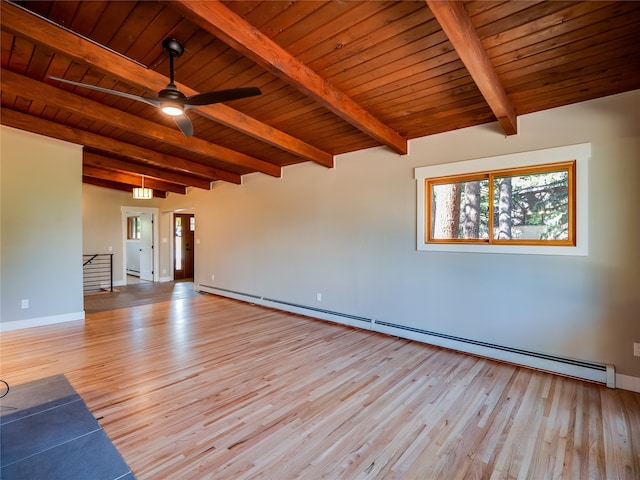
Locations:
(595, 372)
(338, 317)
(591, 371)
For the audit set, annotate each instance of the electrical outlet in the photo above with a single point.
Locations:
(636, 349)
(319, 297)
(213, 277)
(25, 303)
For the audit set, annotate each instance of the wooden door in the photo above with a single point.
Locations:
(183, 231)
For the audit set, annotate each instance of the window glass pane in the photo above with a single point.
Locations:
(133, 228)
(460, 210)
(531, 206)
(178, 243)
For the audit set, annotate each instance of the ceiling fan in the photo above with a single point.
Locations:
(171, 100)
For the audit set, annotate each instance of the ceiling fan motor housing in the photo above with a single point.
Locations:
(173, 47)
(171, 93)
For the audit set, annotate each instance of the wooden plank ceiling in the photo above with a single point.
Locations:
(335, 77)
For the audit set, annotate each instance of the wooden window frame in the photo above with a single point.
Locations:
(490, 176)
(580, 153)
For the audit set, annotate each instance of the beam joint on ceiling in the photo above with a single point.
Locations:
(218, 20)
(456, 24)
(99, 182)
(131, 179)
(101, 161)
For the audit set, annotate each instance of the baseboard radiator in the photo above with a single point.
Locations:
(320, 313)
(594, 372)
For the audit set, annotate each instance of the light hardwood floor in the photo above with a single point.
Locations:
(204, 387)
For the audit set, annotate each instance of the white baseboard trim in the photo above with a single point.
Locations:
(627, 382)
(165, 279)
(41, 321)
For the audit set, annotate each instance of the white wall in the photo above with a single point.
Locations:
(349, 233)
(41, 233)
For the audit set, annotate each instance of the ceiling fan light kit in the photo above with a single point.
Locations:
(172, 110)
(172, 101)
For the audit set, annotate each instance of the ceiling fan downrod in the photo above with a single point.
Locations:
(173, 97)
(175, 49)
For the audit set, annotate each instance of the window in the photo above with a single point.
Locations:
(526, 203)
(133, 228)
(527, 206)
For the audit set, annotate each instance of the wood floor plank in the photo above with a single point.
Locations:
(203, 387)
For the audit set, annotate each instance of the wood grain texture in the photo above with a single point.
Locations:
(235, 31)
(335, 76)
(455, 22)
(207, 387)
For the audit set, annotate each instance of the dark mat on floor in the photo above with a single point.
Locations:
(47, 432)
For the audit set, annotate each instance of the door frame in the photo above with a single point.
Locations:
(173, 243)
(132, 210)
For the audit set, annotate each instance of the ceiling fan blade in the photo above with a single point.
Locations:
(149, 101)
(184, 124)
(221, 96)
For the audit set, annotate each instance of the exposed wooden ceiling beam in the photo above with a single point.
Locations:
(455, 22)
(131, 179)
(37, 125)
(99, 182)
(217, 19)
(100, 161)
(23, 23)
(32, 89)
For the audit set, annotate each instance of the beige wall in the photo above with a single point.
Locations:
(102, 220)
(349, 233)
(102, 224)
(41, 235)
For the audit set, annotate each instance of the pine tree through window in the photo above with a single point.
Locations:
(525, 206)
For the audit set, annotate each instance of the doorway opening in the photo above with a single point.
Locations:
(184, 227)
(140, 255)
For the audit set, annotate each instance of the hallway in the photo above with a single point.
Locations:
(142, 293)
